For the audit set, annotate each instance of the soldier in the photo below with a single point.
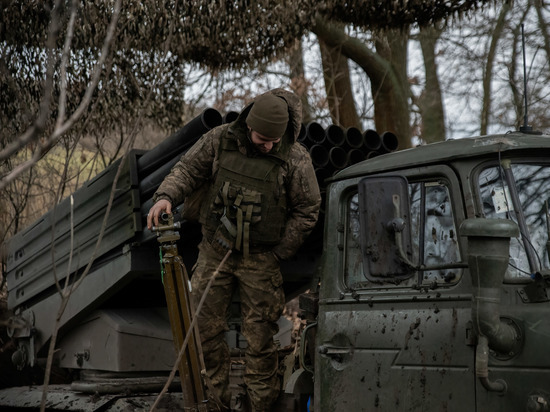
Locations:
(262, 200)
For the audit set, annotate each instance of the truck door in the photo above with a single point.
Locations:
(394, 336)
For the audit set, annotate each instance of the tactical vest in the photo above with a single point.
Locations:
(247, 201)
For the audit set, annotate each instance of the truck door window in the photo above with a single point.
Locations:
(354, 275)
(533, 186)
(433, 230)
(434, 238)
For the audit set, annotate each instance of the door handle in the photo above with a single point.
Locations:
(334, 352)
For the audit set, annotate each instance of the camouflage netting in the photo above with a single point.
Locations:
(220, 34)
(397, 13)
(237, 33)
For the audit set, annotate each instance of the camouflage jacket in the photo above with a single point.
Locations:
(199, 165)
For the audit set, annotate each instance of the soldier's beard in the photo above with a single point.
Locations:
(256, 147)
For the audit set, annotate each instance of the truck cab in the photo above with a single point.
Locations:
(433, 289)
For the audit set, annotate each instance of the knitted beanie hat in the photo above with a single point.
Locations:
(268, 116)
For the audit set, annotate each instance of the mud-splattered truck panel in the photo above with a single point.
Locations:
(434, 284)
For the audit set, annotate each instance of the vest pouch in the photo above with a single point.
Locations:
(233, 201)
(250, 202)
(222, 241)
(225, 200)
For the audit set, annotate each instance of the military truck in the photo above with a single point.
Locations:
(423, 288)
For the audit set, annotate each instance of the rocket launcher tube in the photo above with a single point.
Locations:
(179, 141)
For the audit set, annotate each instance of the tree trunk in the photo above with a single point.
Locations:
(543, 25)
(298, 82)
(488, 73)
(386, 71)
(391, 93)
(338, 86)
(430, 102)
(517, 92)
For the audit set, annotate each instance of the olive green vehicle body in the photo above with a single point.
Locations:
(401, 314)
(407, 341)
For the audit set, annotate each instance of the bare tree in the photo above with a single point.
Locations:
(430, 102)
(490, 61)
(338, 86)
(298, 81)
(386, 69)
(541, 8)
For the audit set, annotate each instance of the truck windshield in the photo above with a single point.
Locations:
(532, 183)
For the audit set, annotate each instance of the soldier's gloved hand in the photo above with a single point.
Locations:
(156, 210)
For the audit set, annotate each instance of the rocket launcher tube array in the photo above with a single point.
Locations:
(335, 148)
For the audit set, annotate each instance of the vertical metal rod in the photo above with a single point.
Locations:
(524, 230)
(525, 113)
(422, 229)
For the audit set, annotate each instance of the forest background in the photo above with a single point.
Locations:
(84, 82)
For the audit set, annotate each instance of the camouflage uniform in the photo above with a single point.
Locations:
(257, 277)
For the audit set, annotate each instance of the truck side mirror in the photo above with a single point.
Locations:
(384, 215)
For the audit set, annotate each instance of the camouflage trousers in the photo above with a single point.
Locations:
(259, 282)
